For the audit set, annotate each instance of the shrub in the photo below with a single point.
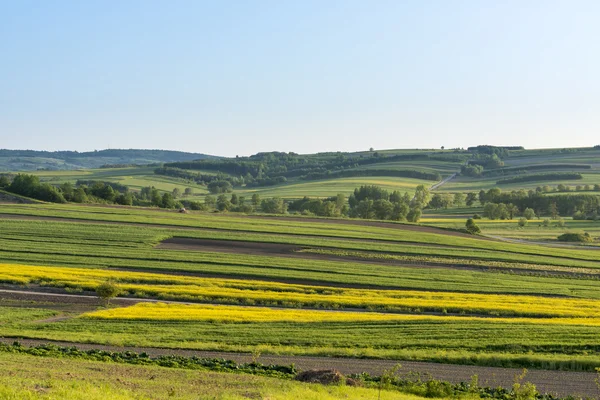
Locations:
(576, 237)
(472, 227)
(523, 222)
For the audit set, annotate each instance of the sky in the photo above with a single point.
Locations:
(239, 77)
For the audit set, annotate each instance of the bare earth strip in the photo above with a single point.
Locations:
(562, 383)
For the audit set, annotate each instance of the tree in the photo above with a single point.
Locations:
(218, 187)
(234, 199)
(210, 201)
(167, 201)
(459, 199)
(471, 198)
(363, 209)
(472, 227)
(176, 193)
(255, 199)
(523, 222)
(482, 197)
(422, 196)
(275, 205)
(553, 210)
(107, 291)
(223, 203)
(383, 209)
(4, 181)
(79, 196)
(414, 215)
(188, 191)
(399, 212)
(512, 210)
(529, 214)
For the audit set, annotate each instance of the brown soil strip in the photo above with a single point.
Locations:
(293, 251)
(379, 224)
(562, 383)
(415, 228)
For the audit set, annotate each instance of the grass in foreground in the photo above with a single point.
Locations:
(26, 377)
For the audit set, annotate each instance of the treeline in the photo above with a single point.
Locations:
(531, 204)
(541, 177)
(374, 202)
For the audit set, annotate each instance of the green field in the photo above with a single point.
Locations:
(375, 263)
(30, 377)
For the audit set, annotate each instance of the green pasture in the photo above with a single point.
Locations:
(47, 378)
(479, 342)
(331, 187)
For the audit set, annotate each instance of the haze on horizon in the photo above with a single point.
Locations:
(228, 78)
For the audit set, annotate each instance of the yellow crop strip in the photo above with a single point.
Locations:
(237, 314)
(247, 292)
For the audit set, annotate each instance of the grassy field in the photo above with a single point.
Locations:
(327, 188)
(29, 377)
(351, 289)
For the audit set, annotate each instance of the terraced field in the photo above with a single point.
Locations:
(300, 287)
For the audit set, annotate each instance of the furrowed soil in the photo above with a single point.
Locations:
(562, 383)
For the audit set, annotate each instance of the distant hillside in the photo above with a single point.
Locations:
(32, 160)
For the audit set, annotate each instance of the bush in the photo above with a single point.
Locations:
(576, 237)
(472, 227)
(523, 222)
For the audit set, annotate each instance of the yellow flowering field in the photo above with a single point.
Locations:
(238, 314)
(248, 292)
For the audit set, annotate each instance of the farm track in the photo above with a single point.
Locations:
(562, 383)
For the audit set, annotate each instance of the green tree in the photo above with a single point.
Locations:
(472, 227)
(176, 193)
(223, 203)
(523, 222)
(529, 214)
(422, 196)
(459, 199)
(383, 209)
(167, 201)
(471, 199)
(234, 199)
(210, 201)
(79, 196)
(255, 199)
(414, 215)
(512, 210)
(107, 290)
(275, 205)
(188, 191)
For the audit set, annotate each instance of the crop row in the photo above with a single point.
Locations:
(249, 292)
(300, 227)
(481, 341)
(237, 314)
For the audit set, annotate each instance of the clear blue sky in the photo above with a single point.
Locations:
(238, 77)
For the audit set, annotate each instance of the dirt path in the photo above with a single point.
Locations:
(443, 182)
(562, 383)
